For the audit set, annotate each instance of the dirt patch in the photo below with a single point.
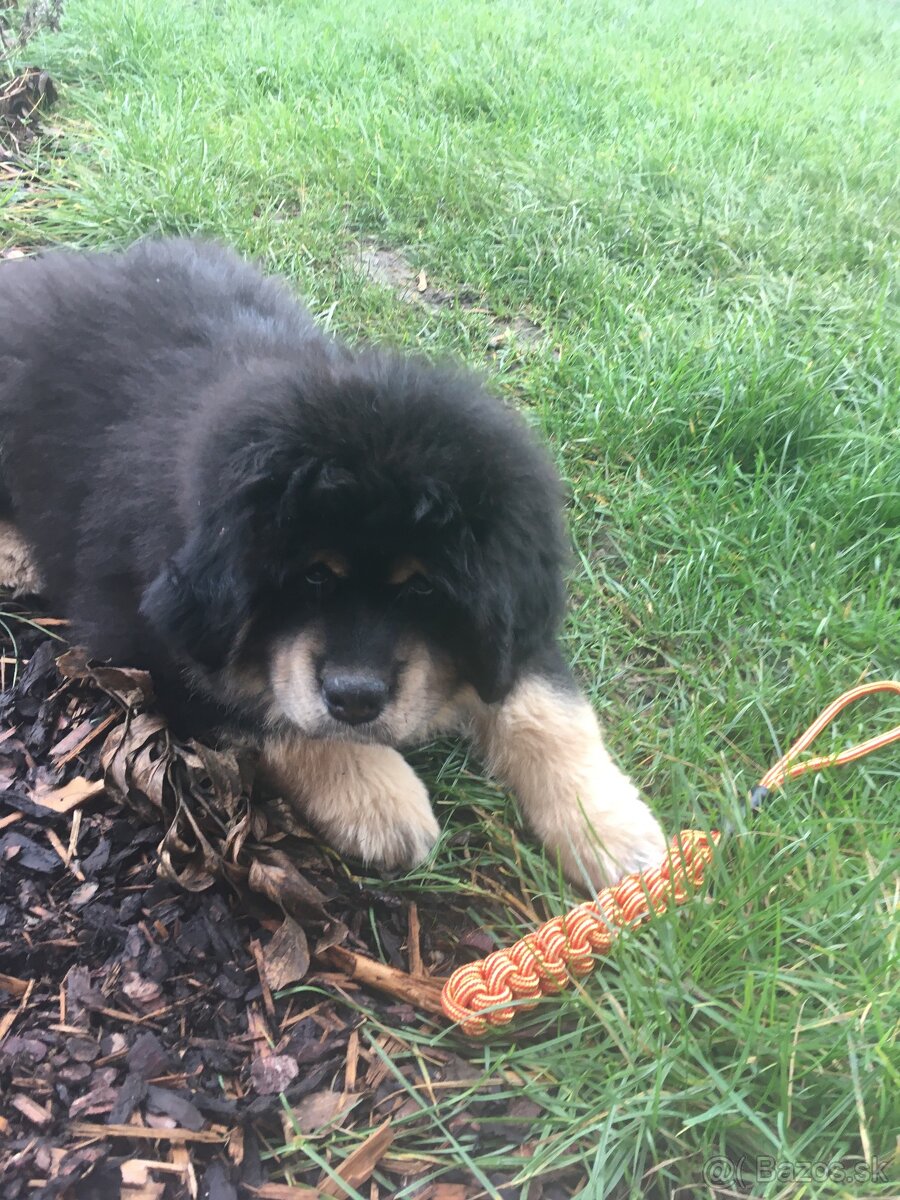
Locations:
(40, 14)
(413, 284)
(26, 95)
(22, 101)
(393, 270)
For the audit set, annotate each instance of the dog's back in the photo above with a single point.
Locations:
(105, 360)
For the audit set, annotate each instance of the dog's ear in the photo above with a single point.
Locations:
(513, 603)
(202, 597)
(492, 653)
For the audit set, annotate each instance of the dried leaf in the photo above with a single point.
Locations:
(286, 817)
(274, 875)
(185, 840)
(287, 955)
(120, 750)
(147, 773)
(321, 1109)
(128, 686)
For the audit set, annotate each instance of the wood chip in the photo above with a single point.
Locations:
(6, 1023)
(284, 1191)
(268, 1002)
(181, 1161)
(414, 946)
(64, 799)
(352, 1061)
(34, 1112)
(137, 1183)
(15, 987)
(77, 741)
(358, 1166)
(74, 834)
(94, 1129)
(63, 853)
(272, 1073)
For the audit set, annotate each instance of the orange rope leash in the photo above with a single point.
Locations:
(482, 995)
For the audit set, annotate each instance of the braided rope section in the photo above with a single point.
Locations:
(481, 995)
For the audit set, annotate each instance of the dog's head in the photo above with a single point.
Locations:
(373, 536)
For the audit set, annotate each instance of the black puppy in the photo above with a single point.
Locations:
(336, 552)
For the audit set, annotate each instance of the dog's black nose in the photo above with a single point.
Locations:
(354, 696)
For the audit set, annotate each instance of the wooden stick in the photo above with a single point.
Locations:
(94, 1129)
(424, 993)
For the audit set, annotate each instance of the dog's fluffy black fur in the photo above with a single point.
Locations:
(333, 552)
(180, 442)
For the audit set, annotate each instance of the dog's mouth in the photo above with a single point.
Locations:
(393, 727)
(371, 733)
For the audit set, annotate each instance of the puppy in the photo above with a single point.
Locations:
(335, 552)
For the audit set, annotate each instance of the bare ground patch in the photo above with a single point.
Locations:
(26, 93)
(412, 283)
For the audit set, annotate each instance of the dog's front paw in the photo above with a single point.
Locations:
(620, 840)
(392, 826)
(371, 805)
(605, 835)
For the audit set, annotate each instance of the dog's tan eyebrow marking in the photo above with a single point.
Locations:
(333, 560)
(405, 568)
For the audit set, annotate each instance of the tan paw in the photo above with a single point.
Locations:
(366, 801)
(388, 823)
(608, 837)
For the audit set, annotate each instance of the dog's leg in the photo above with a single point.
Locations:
(17, 569)
(543, 742)
(366, 800)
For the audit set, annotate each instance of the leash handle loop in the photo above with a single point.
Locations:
(787, 768)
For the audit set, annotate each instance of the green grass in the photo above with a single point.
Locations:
(698, 204)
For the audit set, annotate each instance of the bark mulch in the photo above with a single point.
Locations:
(149, 914)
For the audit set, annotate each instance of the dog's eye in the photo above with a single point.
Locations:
(418, 585)
(318, 574)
